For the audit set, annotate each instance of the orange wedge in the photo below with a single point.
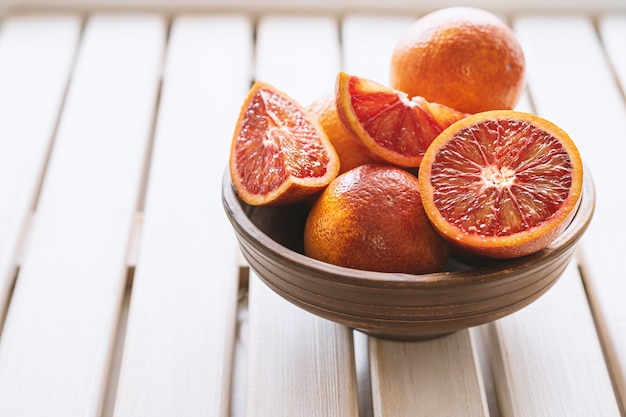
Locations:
(280, 153)
(387, 123)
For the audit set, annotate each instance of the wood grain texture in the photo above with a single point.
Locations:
(178, 352)
(312, 369)
(439, 377)
(547, 360)
(36, 56)
(56, 344)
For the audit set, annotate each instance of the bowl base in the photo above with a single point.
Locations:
(403, 336)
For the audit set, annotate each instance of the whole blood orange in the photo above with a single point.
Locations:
(371, 218)
(463, 57)
(386, 123)
(279, 153)
(351, 155)
(502, 183)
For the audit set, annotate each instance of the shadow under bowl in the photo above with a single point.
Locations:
(394, 305)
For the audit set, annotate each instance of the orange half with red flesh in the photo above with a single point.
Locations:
(501, 184)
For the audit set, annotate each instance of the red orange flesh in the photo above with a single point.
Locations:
(387, 123)
(279, 154)
(502, 183)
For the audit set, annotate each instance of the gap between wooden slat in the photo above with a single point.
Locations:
(58, 120)
(608, 350)
(363, 373)
(566, 58)
(178, 344)
(132, 254)
(42, 40)
(612, 29)
(240, 356)
(4, 309)
(65, 332)
(300, 364)
(118, 348)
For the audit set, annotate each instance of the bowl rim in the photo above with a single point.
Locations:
(234, 208)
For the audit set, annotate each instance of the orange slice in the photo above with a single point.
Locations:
(387, 123)
(280, 153)
(501, 184)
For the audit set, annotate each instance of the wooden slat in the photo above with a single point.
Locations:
(36, 54)
(298, 55)
(613, 33)
(57, 340)
(299, 364)
(368, 42)
(580, 62)
(179, 343)
(608, 299)
(411, 378)
(549, 358)
(439, 377)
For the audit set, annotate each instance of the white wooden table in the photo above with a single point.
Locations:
(122, 292)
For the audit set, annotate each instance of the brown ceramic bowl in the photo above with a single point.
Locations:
(388, 305)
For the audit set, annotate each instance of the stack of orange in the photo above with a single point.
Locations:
(490, 181)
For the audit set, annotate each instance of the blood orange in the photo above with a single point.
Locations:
(463, 57)
(280, 153)
(371, 218)
(387, 123)
(502, 183)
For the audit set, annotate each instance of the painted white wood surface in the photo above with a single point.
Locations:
(312, 369)
(608, 297)
(298, 55)
(548, 359)
(368, 42)
(612, 29)
(179, 342)
(435, 378)
(36, 56)
(55, 349)
(312, 372)
(439, 377)
(578, 72)
(56, 343)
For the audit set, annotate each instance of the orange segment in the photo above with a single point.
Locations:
(279, 154)
(387, 123)
(501, 183)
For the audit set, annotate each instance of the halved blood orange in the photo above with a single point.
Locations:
(502, 183)
(279, 153)
(387, 123)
